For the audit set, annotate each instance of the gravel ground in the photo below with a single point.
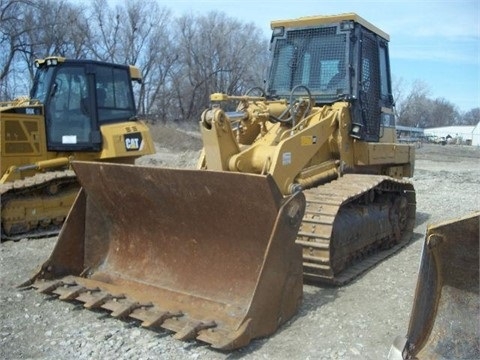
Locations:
(357, 321)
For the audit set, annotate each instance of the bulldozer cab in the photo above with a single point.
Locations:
(79, 96)
(337, 58)
(77, 109)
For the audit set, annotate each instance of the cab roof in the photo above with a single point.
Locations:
(320, 20)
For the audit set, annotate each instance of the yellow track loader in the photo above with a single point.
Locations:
(444, 323)
(310, 164)
(77, 110)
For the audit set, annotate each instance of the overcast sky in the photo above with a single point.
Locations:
(437, 41)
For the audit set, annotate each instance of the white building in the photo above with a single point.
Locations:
(461, 134)
(476, 135)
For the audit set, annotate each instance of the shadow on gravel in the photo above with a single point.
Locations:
(314, 297)
(421, 218)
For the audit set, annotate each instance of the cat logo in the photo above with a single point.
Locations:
(133, 142)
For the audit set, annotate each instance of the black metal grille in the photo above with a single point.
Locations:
(315, 58)
(370, 87)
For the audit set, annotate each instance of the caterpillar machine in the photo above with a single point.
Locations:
(310, 164)
(78, 109)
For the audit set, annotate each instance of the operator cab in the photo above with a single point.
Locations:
(78, 97)
(338, 58)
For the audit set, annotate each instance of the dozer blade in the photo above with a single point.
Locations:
(207, 255)
(444, 323)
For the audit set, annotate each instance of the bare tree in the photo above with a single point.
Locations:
(471, 117)
(57, 28)
(105, 26)
(398, 90)
(216, 53)
(415, 109)
(135, 33)
(13, 26)
(147, 44)
(443, 113)
(155, 92)
(182, 60)
(34, 29)
(420, 110)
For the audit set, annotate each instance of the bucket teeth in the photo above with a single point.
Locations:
(47, 287)
(191, 329)
(153, 318)
(69, 292)
(123, 308)
(94, 300)
(151, 315)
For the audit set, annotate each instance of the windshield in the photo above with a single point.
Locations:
(41, 84)
(315, 58)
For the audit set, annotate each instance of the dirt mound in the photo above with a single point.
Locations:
(183, 137)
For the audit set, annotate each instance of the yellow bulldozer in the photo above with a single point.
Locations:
(301, 180)
(77, 110)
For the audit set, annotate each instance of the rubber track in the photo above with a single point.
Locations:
(31, 186)
(323, 205)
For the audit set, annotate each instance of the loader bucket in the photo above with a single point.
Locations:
(208, 255)
(444, 323)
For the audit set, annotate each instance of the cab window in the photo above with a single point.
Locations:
(114, 95)
(68, 113)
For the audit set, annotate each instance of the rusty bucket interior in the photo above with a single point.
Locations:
(207, 255)
(444, 322)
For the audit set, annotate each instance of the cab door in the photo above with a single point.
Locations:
(69, 110)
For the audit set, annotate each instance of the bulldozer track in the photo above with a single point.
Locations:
(21, 196)
(352, 194)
